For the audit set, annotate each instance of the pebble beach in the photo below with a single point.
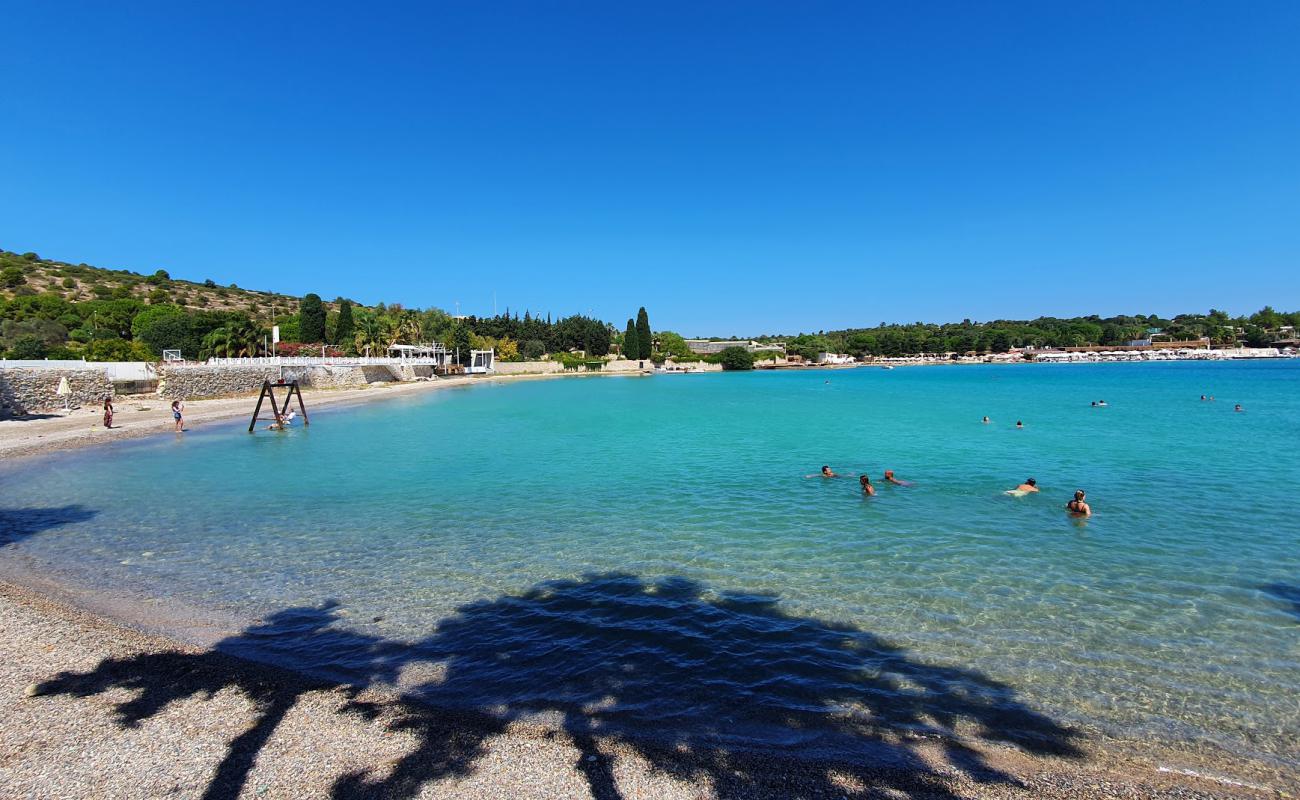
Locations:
(95, 709)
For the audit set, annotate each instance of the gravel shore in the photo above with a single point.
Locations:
(94, 709)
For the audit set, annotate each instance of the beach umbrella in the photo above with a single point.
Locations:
(63, 391)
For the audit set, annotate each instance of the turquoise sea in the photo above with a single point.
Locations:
(648, 552)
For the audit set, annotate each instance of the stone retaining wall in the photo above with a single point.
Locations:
(177, 382)
(194, 381)
(35, 391)
(553, 367)
(527, 367)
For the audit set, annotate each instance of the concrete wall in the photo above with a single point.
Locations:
(34, 391)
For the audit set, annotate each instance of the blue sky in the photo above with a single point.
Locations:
(738, 168)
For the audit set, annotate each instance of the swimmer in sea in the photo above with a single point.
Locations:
(1078, 507)
(1101, 402)
(1202, 397)
(826, 472)
(1238, 407)
(985, 420)
(867, 488)
(1020, 425)
(1094, 403)
(1029, 486)
(889, 478)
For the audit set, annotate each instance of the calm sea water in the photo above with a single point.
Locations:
(648, 550)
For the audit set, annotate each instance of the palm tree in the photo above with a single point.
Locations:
(369, 331)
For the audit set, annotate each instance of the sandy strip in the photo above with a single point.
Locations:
(93, 709)
(138, 416)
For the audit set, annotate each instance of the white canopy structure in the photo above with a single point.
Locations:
(481, 362)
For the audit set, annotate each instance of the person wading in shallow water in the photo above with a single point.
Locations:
(178, 414)
(867, 488)
(1078, 507)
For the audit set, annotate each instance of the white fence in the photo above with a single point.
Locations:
(116, 370)
(45, 363)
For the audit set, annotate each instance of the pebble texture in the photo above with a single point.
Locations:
(89, 709)
(35, 391)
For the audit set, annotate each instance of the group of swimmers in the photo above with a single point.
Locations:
(1078, 507)
(1210, 399)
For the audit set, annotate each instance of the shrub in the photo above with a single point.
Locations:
(158, 297)
(69, 283)
(11, 277)
(736, 358)
(28, 347)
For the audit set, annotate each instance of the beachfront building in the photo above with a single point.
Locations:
(835, 359)
(708, 347)
(481, 362)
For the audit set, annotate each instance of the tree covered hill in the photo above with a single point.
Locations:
(53, 309)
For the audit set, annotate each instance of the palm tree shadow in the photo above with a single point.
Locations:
(697, 684)
(701, 686)
(1288, 594)
(17, 524)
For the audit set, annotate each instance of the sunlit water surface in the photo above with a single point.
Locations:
(1172, 615)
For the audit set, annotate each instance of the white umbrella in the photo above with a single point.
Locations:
(63, 391)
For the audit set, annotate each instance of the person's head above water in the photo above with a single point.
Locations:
(1031, 482)
(889, 473)
(864, 479)
(826, 470)
(1080, 494)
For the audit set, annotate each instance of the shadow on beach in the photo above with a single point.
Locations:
(19, 523)
(705, 687)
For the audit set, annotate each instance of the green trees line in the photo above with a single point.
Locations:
(1256, 330)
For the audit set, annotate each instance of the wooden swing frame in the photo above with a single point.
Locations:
(278, 410)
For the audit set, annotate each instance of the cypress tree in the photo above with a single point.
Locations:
(643, 336)
(630, 347)
(345, 328)
(311, 314)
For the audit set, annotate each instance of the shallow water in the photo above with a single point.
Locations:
(648, 550)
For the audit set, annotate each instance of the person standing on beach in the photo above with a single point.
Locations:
(178, 414)
(108, 411)
(867, 488)
(1079, 507)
